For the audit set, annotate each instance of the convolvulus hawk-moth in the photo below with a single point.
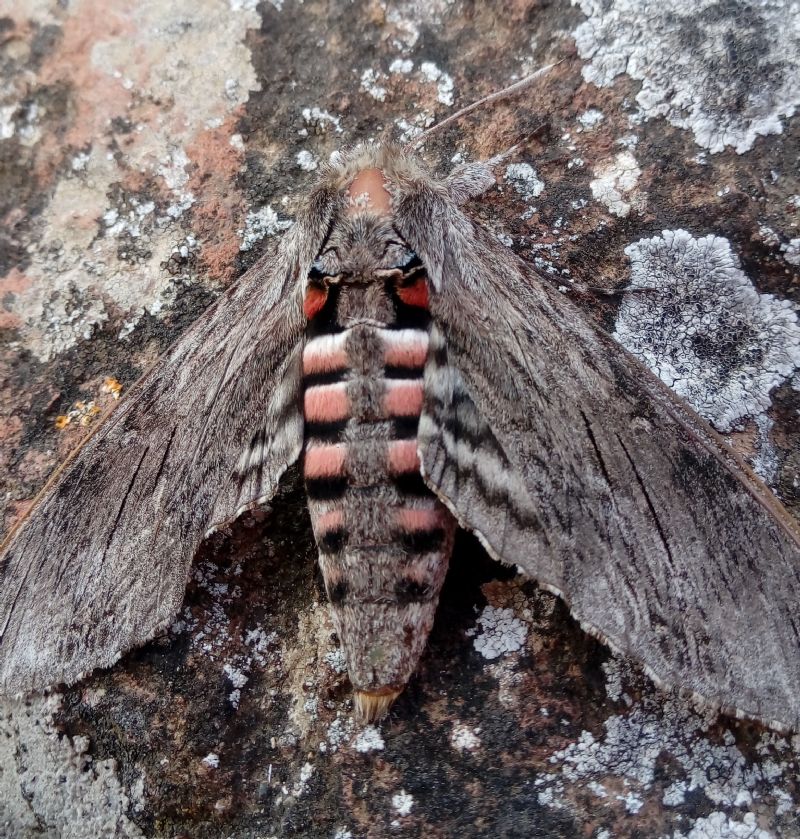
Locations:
(426, 377)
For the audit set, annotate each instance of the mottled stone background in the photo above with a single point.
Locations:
(150, 151)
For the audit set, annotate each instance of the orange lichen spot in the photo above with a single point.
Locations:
(314, 300)
(368, 192)
(89, 412)
(415, 294)
(82, 412)
(112, 386)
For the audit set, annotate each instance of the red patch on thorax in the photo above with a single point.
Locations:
(314, 301)
(415, 294)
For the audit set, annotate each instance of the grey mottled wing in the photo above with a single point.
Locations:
(101, 563)
(572, 460)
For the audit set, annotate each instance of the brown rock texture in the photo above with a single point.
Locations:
(149, 152)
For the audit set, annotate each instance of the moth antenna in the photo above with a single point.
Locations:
(612, 292)
(511, 90)
(497, 159)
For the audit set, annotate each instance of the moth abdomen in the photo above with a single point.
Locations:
(384, 539)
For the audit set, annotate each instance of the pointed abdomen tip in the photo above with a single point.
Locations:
(372, 705)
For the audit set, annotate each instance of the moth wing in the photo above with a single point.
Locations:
(100, 564)
(570, 459)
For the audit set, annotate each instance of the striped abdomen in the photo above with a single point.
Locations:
(384, 539)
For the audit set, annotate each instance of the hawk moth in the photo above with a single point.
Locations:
(426, 377)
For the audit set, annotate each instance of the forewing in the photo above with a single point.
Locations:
(658, 538)
(100, 564)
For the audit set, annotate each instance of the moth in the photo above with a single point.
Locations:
(425, 377)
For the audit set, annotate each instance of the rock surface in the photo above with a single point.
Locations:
(149, 152)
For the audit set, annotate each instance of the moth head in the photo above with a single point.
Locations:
(362, 248)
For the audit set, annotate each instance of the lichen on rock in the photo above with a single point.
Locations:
(726, 71)
(693, 317)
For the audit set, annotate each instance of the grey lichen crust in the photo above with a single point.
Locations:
(695, 319)
(728, 71)
(50, 786)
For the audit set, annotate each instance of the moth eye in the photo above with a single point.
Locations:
(326, 264)
(398, 255)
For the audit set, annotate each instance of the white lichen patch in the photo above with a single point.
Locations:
(374, 83)
(664, 730)
(402, 66)
(211, 760)
(463, 738)
(695, 319)
(728, 73)
(590, 118)
(369, 739)
(336, 660)
(631, 801)
(340, 730)
(615, 182)
(7, 124)
(406, 18)
(261, 223)
(402, 802)
(262, 645)
(719, 826)
(237, 677)
(319, 120)
(306, 161)
(20, 119)
(173, 168)
(499, 631)
(791, 251)
(525, 180)
(370, 84)
(49, 783)
(410, 128)
(444, 82)
(299, 787)
(131, 222)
